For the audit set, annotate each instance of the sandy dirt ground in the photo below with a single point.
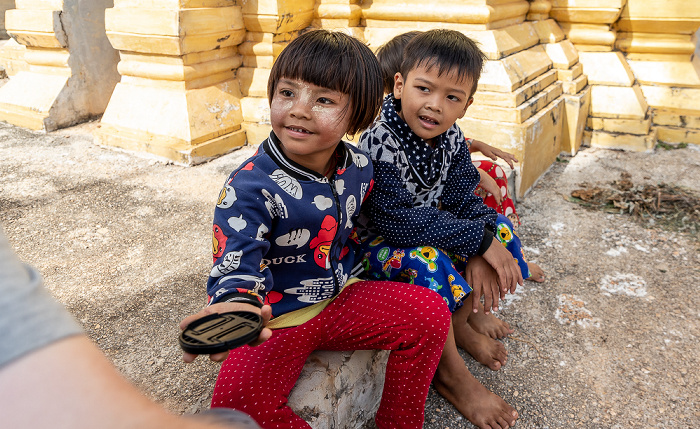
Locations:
(610, 340)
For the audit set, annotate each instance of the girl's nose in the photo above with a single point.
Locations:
(300, 109)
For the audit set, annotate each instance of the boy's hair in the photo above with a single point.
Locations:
(336, 61)
(447, 50)
(390, 56)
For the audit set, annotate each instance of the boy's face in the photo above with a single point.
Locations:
(309, 120)
(430, 105)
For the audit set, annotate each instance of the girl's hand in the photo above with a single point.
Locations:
(509, 275)
(225, 307)
(490, 186)
(493, 152)
(483, 279)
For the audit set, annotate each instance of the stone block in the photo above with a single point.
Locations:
(680, 44)
(682, 100)
(667, 73)
(658, 16)
(599, 35)
(536, 142)
(576, 109)
(277, 16)
(41, 28)
(521, 113)
(638, 127)
(618, 102)
(4, 6)
(514, 71)
(589, 15)
(571, 74)
(628, 142)
(256, 133)
(256, 109)
(517, 97)
(677, 135)
(606, 68)
(573, 87)
(253, 81)
(549, 31)
(12, 57)
(340, 389)
(674, 119)
(563, 54)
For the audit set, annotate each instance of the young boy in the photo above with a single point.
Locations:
(424, 195)
(281, 242)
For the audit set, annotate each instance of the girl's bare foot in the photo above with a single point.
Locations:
(536, 273)
(489, 325)
(485, 350)
(479, 405)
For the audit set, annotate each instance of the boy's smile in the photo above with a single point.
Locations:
(309, 120)
(430, 104)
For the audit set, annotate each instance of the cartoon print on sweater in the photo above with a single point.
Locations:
(426, 254)
(296, 237)
(322, 203)
(231, 261)
(275, 205)
(350, 208)
(259, 285)
(393, 261)
(504, 233)
(340, 186)
(457, 290)
(313, 290)
(322, 242)
(237, 223)
(360, 160)
(227, 197)
(408, 276)
(218, 241)
(288, 184)
(262, 230)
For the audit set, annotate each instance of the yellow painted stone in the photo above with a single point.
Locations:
(593, 48)
(173, 149)
(12, 57)
(681, 74)
(171, 4)
(573, 87)
(281, 8)
(519, 114)
(586, 15)
(686, 100)
(627, 126)
(37, 108)
(655, 43)
(253, 81)
(576, 109)
(660, 16)
(347, 11)
(517, 97)
(256, 133)
(589, 34)
(618, 102)
(643, 56)
(173, 45)
(335, 24)
(514, 71)
(606, 68)
(278, 23)
(563, 54)
(174, 22)
(39, 28)
(675, 119)
(448, 11)
(260, 61)
(539, 10)
(141, 67)
(628, 142)
(571, 74)
(678, 135)
(549, 31)
(659, 25)
(536, 142)
(589, 3)
(256, 109)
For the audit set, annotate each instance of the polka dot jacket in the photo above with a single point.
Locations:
(423, 195)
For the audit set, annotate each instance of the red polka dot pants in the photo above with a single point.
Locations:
(409, 320)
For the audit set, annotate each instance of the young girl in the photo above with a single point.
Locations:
(281, 242)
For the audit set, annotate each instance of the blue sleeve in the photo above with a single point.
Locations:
(239, 243)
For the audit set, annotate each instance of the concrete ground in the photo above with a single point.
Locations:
(610, 340)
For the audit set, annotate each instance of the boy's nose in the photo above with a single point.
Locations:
(433, 105)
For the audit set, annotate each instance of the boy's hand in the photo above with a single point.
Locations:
(490, 186)
(225, 307)
(493, 152)
(509, 275)
(482, 278)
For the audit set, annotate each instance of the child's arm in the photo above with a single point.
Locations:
(490, 186)
(492, 152)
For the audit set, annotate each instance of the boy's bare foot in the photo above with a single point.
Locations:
(485, 350)
(536, 273)
(489, 325)
(479, 405)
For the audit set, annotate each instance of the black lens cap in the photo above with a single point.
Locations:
(217, 333)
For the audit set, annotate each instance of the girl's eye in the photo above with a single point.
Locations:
(324, 100)
(286, 93)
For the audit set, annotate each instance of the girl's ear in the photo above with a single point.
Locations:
(398, 85)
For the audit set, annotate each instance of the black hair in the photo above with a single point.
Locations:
(447, 50)
(390, 56)
(336, 61)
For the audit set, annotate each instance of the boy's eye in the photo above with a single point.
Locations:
(453, 98)
(423, 89)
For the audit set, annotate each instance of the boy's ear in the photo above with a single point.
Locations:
(398, 85)
(469, 103)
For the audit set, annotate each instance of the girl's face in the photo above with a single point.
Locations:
(309, 120)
